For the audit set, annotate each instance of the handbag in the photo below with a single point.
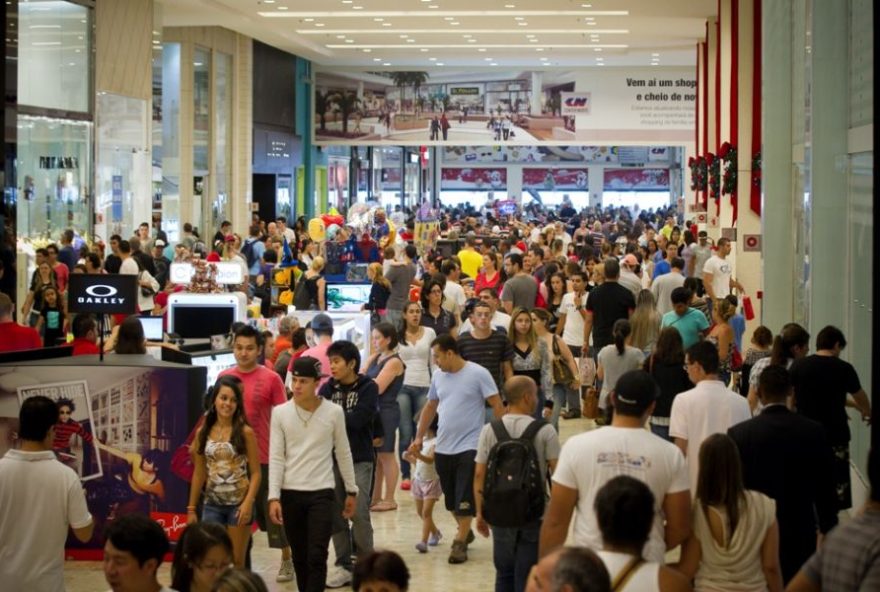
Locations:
(590, 403)
(146, 292)
(562, 374)
(736, 360)
(587, 368)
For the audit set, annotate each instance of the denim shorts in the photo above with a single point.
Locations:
(225, 515)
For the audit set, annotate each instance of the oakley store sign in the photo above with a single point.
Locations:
(102, 294)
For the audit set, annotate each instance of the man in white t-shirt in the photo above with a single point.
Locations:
(454, 293)
(708, 408)
(591, 459)
(135, 548)
(40, 498)
(718, 278)
(572, 312)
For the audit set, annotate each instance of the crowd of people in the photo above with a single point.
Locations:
(737, 457)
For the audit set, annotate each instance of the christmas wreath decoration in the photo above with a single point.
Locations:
(728, 154)
(756, 169)
(713, 164)
(698, 169)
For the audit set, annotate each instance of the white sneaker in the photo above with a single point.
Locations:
(338, 577)
(285, 573)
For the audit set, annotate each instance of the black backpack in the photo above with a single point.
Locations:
(513, 493)
(247, 251)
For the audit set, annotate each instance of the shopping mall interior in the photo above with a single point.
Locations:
(752, 119)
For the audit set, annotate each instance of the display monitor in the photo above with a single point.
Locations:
(153, 328)
(347, 297)
(199, 316)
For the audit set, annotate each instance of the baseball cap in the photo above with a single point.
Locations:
(322, 322)
(306, 367)
(630, 260)
(159, 243)
(634, 392)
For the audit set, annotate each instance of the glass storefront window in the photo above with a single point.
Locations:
(166, 140)
(220, 208)
(54, 174)
(53, 55)
(201, 137)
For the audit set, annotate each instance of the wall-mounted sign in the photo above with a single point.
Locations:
(751, 243)
(576, 102)
(464, 90)
(59, 162)
(116, 204)
(102, 294)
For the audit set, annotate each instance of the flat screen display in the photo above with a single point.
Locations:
(347, 297)
(198, 321)
(153, 329)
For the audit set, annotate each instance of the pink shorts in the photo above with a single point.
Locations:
(426, 489)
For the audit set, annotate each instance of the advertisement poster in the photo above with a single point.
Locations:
(473, 179)
(75, 444)
(636, 180)
(526, 154)
(574, 103)
(130, 438)
(555, 179)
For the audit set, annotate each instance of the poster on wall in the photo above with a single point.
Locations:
(526, 154)
(483, 179)
(126, 435)
(657, 103)
(636, 180)
(74, 444)
(554, 179)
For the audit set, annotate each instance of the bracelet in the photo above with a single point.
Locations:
(190, 507)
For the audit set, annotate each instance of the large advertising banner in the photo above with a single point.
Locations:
(484, 179)
(124, 430)
(526, 154)
(637, 104)
(555, 179)
(636, 180)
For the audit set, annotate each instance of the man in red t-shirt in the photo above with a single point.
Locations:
(85, 335)
(263, 390)
(62, 273)
(14, 337)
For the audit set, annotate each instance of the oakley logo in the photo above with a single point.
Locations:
(101, 291)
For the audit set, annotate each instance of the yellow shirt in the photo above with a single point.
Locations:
(471, 262)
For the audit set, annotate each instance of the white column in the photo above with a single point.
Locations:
(535, 98)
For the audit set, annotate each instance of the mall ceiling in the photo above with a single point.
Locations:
(456, 34)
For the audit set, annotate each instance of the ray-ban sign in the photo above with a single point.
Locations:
(102, 293)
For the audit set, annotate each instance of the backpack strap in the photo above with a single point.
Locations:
(629, 570)
(532, 430)
(501, 433)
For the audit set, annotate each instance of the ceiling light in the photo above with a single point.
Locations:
(518, 18)
(156, 42)
(533, 40)
(510, 6)
(482, 49)
(410, 40)
(340, 36)
(523, 24)
(386, 63)
(488, 59)
(366, 50)
(440, 63)
(539, 49)
(597, 49)
(404, 36)
(655, 55)
(424, 50)
(586, 6)
(357, 7)
(466, 36)
(282, 8)
(347, 1)
(472, 40)
(308, 20)
(432, 59)
(493, 64)
(377, 59)
(349, 40)
(454, 23)
(378, 19)
(319, 24)
(433, 6)
(197, 64)
(386, 24)
(448, 18)
(268, 1)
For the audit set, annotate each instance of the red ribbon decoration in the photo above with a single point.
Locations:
(755, 196)
(734, 90)
(718, 97)
(697, 120)
(706, 109)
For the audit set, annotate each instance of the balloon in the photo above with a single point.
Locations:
(317, 230)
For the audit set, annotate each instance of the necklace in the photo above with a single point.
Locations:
(305, 420)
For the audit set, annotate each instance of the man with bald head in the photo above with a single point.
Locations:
(569, 569)
(515, 550)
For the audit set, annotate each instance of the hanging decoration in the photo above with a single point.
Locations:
(756, 172)
(728, 156)
(699, 172)
(713, 164)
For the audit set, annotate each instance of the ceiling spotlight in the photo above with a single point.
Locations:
(378, 20)
(448, 18)
(655, 55)
(319, 24)
(539, 49)
(523, 24)
(597, 49)
(432, 59)
(472, 40)
(424, 50)
(510, 6)
(482, 50)
(340, 36)
(308, 20)
(349, 40)
(282, 8)
(386, 24)
(518, 18)
(454, 23)
(357, 7)
(410, 40)
(377, 59)
(366, 50)
(268, 1)
(404, 36)
(440, 63)
(386, 63)
(488, 59)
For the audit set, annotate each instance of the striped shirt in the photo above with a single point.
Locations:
(489, 353)
(63, 432)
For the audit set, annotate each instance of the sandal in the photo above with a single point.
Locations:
(383, 506)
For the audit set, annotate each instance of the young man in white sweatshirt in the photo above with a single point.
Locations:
(306, 434)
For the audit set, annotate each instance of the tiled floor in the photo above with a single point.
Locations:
(398, 530)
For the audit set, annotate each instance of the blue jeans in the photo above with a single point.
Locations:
(225, 515)
(411, 399)
(356, 537)
(514, 552)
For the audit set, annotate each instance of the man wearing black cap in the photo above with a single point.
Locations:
(307, 435)
(591, 459)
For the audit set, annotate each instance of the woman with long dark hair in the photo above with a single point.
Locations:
(562, 393)
(415, 352)
(735, 543)
(616, 359)
(227, 464)
(666, 365)
(556, 288)
(434, 316)
(791, 344)
(203, 552)
(386, 368)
